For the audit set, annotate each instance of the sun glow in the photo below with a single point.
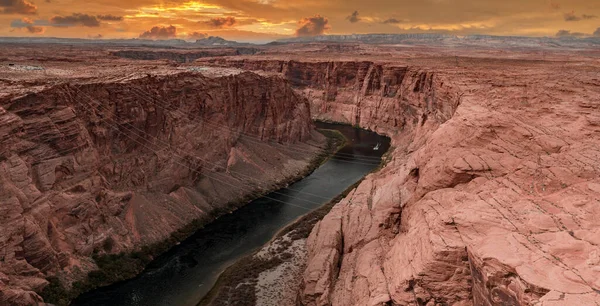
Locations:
(444, 27)
(197, 6)
(192, 7)
(262, 25)
(195, 16)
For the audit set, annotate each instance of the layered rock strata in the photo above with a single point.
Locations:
(181, 56)
(111, 167)
(490, 197)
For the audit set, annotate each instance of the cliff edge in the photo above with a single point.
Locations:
(89, 169)
(491, 194)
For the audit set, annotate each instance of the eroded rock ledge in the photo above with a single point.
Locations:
(112, 167)
(492, 195)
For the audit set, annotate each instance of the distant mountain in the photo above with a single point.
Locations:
(407, 39)
(218, 41)
(210, 41)
(368, 38)
(445, 39)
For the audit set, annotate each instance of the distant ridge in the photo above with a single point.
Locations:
(218, 41)
(209, 41)
(444, 39)
(408, 39)
(366, 38)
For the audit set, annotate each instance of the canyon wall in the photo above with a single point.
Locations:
(378, 96)
(490, 194)
(105, 168)
(181, 56)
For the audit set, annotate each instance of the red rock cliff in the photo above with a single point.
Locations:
(112, 167)
(490, 196)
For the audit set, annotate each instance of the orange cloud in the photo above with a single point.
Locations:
(196, 36)
(109, 17)
(392, 21)
(160, 33)
(312, 26)
(220, 22)
(75, 19)
(35, 29)
(29, 25)
(353, 18)
(17, 7)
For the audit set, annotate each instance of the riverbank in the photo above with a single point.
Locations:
(272, 275)
(114, 268)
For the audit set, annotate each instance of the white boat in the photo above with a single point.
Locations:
(376, 147)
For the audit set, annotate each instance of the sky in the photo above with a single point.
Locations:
(267, 20)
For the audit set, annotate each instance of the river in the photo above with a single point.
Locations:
(185, 274)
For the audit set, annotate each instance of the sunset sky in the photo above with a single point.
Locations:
(265, 20)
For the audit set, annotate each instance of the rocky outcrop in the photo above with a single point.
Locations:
(111, 167)
(490, 194)
(360, 93)
(181, 56)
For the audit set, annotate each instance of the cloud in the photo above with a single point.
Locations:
(32, 28)
(567, 33)
(220, 22)
(17, 7)
(312, 26)
(22, 23)
(99, 36)
(571, 16)
(196, 36)
(110, 17)
(160, 33)
(27, 24)
(353, 18)
(35, 29)
(597, 32)
(392, 21)
(75, 19)
(38, 25)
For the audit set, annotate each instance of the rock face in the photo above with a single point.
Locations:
(361, 93)
(111, 167)
(181, 56)
(490, 197)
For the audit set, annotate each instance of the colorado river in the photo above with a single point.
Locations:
(186, 273)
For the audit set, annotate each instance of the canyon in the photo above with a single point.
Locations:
(489, 195)
(104, 168)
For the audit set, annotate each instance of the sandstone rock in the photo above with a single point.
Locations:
(487, 199)
(110, 167)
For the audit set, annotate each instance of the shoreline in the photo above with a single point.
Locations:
(289, 244)
(296, 231)
(116, 268)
